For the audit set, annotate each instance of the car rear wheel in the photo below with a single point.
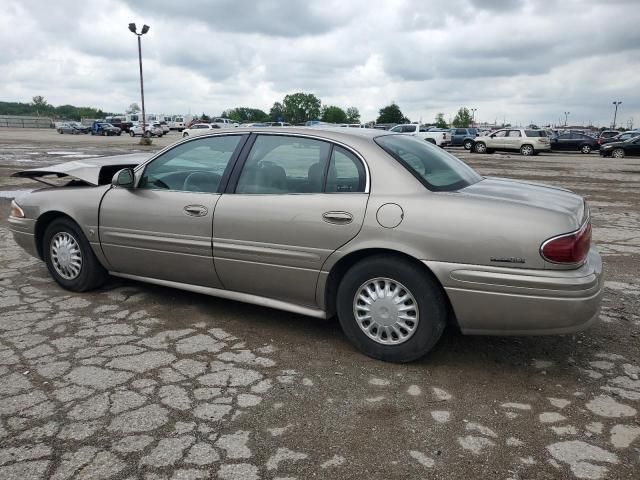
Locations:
(618, 153)
(467, 144)
(526, 150)
(185, 135)
(480, 147)
(391, 309)
(69, 257)
(585, 149)
(132, 134)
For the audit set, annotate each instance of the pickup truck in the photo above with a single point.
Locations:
(440, 139)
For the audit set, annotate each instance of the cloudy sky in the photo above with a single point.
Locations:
(519, 60)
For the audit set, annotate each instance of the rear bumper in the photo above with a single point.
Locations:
(23, 230)
(509, 301)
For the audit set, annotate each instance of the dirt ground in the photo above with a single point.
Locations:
(138, 381)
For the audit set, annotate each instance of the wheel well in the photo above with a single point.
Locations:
(41, 226)
(344, 264)
(431, 140)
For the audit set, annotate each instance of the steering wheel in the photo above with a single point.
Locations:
(212, 177)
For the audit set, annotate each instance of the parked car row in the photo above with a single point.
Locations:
(526, 141)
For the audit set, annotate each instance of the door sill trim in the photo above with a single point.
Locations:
(230, 295)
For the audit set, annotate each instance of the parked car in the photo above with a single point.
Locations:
(620, 137)
(224, 122)
(121, 123)
(607, 134)
(72, 128)
(165, 127)
(525, 141)
(278, 124)
(150, 130)
(356, 223)
(440, 139)
(104, 129)
(629, 147)
(573, 141)
(463, 137)
(200, 129)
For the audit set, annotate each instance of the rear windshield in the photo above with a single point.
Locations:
(535, 133)
(435, 168)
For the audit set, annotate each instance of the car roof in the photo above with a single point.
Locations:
(330, 133)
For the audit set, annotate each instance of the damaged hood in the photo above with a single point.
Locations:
(94, 171)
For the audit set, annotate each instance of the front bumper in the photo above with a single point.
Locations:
(510, 301)
(23, 230)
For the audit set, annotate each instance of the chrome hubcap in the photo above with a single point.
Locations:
(526, 150)
(66, 256)
(618, 153)
(386, 311)
(480, 148)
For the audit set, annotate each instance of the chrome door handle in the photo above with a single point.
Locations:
(339, 218)
(196, 210)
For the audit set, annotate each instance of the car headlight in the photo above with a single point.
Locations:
(16, 211)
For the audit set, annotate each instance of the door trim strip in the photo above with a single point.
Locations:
(230, 295)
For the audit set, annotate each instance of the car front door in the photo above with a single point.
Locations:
(291, 202)
(497, 140)
(562, 142)
(163, 227)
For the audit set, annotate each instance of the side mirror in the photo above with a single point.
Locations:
(493, 136)
(124, 178)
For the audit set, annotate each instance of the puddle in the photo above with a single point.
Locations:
(13, 193)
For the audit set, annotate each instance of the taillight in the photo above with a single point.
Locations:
(568, 248)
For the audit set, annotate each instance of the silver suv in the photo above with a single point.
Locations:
(526, 141)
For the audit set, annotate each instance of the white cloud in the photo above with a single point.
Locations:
(520, 60)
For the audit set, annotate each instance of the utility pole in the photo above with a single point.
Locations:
(615, 114)
(566, 115)
(145, 29)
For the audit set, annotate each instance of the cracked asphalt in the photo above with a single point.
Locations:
(139, 381)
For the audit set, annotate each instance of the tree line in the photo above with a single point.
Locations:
(39, 107)
(295, 108)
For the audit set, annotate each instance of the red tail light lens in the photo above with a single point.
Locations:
(569, 248)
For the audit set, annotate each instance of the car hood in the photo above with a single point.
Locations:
(92, 171)
(540, 196)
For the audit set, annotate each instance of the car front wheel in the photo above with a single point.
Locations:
(480, 147)
(586, 149)
(618, 153)
(132, 134)
(526, 150)
(391, 309)
(185, 135)
(69, 257)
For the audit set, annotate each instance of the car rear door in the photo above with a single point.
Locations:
(513, 140)
(291, 202)
(162, 229)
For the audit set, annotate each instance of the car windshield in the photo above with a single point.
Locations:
(633, 139)
(436, 169)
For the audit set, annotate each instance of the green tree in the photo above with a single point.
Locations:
(353, 115)
(205, 118)
(462, 118)
(391, 114)
(440, 121)
(133, 108)
(245, 114)
(277, 112)
(333, 114)
(40, 104)
(301, 107)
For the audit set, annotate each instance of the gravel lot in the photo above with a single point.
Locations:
(139, 381)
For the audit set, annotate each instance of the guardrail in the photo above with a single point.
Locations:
(16, 121)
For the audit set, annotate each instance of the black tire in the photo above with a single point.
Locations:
(585, 148)
(617, 153)
(119, 133)
(60, 132)
(480, 147)
(426, 291)
(92, 273)
(131, 134)
(526, 150)
(467, 144)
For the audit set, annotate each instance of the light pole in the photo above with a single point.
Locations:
(473, 116)
(615, 114)
(566, 114)
(145, 29)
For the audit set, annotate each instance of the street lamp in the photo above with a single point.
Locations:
(566, 114)
(145, 29)
(615, 113)
(473, 116)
